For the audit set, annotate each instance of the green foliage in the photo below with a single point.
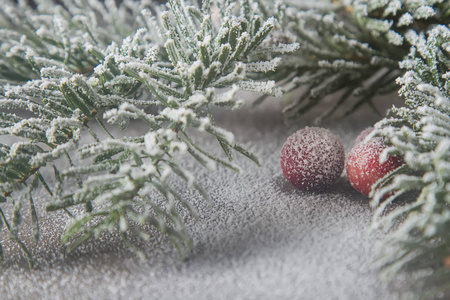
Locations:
(54, 35)
(71, 74)
(421, 132)
(352, 48)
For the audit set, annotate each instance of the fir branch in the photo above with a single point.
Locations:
(346, 46)
(175, 62)
(420, 132)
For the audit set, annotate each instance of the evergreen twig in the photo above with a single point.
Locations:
(67, 71)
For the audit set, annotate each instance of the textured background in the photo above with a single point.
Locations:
(260, 239)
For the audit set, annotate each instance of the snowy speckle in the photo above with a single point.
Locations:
(405, 20)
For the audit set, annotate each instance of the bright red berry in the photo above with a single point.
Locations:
(312, 158)
(363, 164)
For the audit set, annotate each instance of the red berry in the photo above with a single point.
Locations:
(312, 158)
(363, 164)
(363, 135)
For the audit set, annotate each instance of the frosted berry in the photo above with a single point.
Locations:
(363, 165)
(312, 158)
(363, 135)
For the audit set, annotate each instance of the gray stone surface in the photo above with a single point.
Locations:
(260, 239)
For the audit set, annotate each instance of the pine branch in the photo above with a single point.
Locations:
(175, 62)
(421, 132)
(352, 47)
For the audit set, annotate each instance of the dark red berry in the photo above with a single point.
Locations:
(312, 158)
